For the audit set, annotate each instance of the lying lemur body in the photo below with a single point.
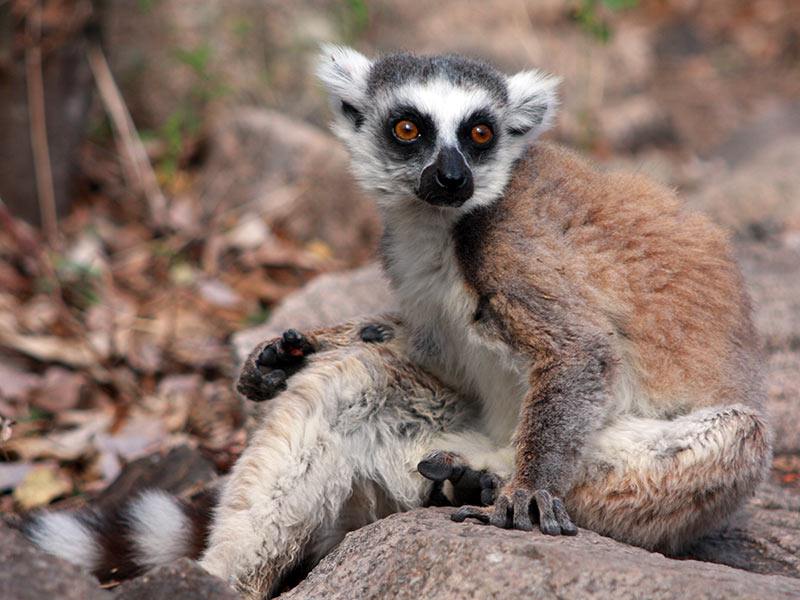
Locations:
(572, 332)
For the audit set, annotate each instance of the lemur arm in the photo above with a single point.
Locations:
(563, 408)
(568, 395)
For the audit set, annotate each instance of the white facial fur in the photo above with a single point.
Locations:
(528, 111)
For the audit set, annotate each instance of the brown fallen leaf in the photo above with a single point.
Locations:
(48, 348)
(64, 445)
(61, 390)
(15, 383)
(42, 485)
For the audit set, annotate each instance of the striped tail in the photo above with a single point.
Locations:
(150, 529)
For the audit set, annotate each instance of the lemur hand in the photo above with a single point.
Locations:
(269, 366)
(470, 486)
(512, 510)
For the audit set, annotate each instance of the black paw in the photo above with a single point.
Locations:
(470, 486)
(513, 507)
(265, 373)
(376, 334)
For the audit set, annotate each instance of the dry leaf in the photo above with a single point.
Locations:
(66, 445)
(218, 293)
(13, 474)
(16, 384)
(61, 390)
(42, 485)
(48, 348)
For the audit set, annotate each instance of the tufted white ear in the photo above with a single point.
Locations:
(533, 102)
(344, 73)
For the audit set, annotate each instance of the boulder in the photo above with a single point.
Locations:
(182, 580)
(296, 177)
(327, 300)
(28, 573)
(423, 554)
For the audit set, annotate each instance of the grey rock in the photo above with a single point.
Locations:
(764, 537)
(328, 299)
(772, 273)
(759, 195)
(182, 470)
(27, 573)
(182, 580)
(422, 554)
(296, 177)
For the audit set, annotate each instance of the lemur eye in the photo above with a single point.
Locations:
(406, 130)
(481, 134)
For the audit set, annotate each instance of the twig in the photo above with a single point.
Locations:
(135, 162)
(38, 129)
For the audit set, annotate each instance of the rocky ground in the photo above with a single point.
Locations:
(115, 344)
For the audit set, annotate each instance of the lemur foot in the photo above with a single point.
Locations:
(512, 510)
(269, 368)
(470, 486)
(376, 334)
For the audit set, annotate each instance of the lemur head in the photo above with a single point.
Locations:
(438, 130)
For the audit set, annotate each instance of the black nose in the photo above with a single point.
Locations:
(447, 181)
(451, 170)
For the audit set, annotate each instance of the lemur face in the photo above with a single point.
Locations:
(436, 131)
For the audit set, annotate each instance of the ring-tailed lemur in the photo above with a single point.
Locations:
(575, 333)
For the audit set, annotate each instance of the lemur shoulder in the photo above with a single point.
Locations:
(573, 348)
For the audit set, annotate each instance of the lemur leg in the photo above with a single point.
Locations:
(661, 483)
(352, 417)
(271, 363)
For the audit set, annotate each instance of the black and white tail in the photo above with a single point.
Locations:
(150, 529)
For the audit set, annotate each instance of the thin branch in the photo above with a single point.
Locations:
(38, 129)
(135, 162)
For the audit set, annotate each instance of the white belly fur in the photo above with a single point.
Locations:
(439, 307)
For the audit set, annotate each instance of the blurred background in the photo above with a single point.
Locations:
(167, 178)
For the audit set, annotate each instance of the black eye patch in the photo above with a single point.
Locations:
(472, 148)
(425, 140)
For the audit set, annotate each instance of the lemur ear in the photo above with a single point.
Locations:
(533, 102)
(344, 73)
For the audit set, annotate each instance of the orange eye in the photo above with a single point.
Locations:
(406, 130)
(481, 134)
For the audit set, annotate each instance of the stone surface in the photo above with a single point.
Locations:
(772, 272)
(296, 177)
(182, 471)
(758, 195)
(27, 573)
(182, 580)
(327, 300)
(422, 554)
(764, 537)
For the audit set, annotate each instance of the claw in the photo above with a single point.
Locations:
(470, 512)
(267, 357)
(567, 526)
(500, 514)
(521, 502)
(512, 510)
(548, 524)
(292, 337)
